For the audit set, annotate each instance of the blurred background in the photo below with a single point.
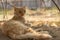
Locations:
(29, 3)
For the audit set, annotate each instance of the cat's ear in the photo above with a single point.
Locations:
(15, 8)
(24, 6)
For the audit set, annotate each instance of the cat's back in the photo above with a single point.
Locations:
(14, 27)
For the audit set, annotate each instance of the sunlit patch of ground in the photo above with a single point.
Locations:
(43, 15)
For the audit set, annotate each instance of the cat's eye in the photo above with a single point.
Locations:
(24, 11)
(20, 11)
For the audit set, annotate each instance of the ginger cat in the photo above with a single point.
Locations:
(15, 28)
(19, 13)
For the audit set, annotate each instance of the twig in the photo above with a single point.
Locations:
(56, 5)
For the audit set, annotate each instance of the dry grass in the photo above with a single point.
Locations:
(45, 16)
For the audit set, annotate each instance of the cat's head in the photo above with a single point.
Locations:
(19, 11)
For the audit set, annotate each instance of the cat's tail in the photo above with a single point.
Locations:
(33, 36)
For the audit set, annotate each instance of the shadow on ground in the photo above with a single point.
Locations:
(3, 37)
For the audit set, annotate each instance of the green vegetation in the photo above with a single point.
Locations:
(6, 11)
